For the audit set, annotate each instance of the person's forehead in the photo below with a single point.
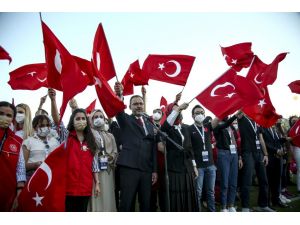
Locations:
(80, 114)
(44, 121)
(137, 99)
(199, 110)
(98, 113)
(20, 109)
(6, 109)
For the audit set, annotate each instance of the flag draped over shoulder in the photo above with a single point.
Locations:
(230, 92)
(29, 77)
(263, 111)
(101, 55)
(295, 86)
(238, 56)
(173, 69)
(4, 54)
(295, 133)
(46, 189)
(63, 71)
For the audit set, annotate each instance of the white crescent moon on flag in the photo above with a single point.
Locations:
(42, 80)
(57, 61)
(48, 172)
(177, 71)
(162, 107)
(255, 79)
(98, 60)
(212, 93)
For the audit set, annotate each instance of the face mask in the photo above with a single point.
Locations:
(20, 117)
(98, 122)
(235, 126)
(106, 127)
(156, 116)
(43, 132)
(4, 122)
(199, 118)
(80, 125)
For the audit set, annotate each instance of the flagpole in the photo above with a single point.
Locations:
(210, 84)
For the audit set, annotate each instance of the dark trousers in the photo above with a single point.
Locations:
(274, 175)
(77, 203)
(117, 187)
(132, 182)
(254, 160)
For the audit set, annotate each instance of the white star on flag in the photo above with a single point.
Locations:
(161, 66)
(262, 103)
(229, 95)
(38, 199)
(98, 82)
(31, 73)
(234, 61)
(131, 75)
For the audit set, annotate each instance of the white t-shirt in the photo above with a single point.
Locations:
(39, 149)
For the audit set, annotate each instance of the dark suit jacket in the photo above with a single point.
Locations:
(179, 161)
(272, 144)
(138, 150)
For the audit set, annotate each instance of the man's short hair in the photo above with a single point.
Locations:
(135, 96)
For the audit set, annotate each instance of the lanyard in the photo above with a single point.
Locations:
(254, 127)
(3, 140)
(201, 134)
(271, 130)
(229, 132)
(178, 127)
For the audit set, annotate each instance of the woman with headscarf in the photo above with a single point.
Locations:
(181, 164)
(106, 155)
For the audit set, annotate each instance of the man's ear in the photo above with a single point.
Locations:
(129, 106)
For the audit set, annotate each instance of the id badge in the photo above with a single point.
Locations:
(257, 144)
(205, 156)
(232, 149)
(103, 161)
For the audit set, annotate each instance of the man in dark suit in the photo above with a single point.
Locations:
(137, 159)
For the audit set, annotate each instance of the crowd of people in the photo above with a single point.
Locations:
(139, 162)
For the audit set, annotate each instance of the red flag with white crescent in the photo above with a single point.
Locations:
(4, 54)
(263, 111)
(29, 77)
(230, 92)
(295, 133)
(238, 56)
(102, 56)
(173, 69)
(63, 71)
(45, 191)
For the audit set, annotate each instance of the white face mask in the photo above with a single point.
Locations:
(43, 132)
(20, 117)
(99, 122)
(235, 126)
(80, 125)
(106, 127)
(199, 118)
(156, 116)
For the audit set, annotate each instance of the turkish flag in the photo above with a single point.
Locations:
(263, 111)
(101, 55)
(29, 77)
(295, 133)
(263, 74)
(111, 104)
(238, 56)
(229, 93)
(163, 107)
(46, 189)
(86, 69)
(173, 69)
(91, 107)
(295, 86)
(4, 54)
(63, 71)
(135, 74)
(127, 85)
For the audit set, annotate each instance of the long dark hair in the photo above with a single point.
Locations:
(87, 132)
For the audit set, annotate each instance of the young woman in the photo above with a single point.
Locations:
(38, 146)
(106, 154)
(82, 166)
(23, 126)
(12, 166)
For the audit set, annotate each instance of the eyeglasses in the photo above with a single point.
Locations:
(46, 144)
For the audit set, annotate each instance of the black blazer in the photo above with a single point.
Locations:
(179, 161)
(138, 150)
(272, 144)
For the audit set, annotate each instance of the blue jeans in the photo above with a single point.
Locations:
(228, 169)
(210, 178)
